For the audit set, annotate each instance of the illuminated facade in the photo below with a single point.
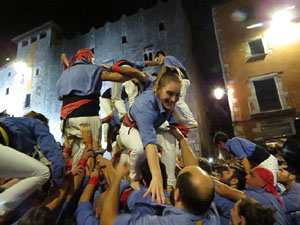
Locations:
(259, 44)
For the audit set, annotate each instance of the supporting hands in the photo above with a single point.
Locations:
(156, 188)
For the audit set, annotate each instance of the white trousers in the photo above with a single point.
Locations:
(271, 164)
(14, 164)
(116, 92)
(72, 128)
(132, 91)
(183, 106)
(106, 105)
(133, 142)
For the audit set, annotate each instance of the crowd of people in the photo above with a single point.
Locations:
(148, 173)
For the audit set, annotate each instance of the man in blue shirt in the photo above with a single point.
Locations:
(260, 186)
(248, 152)
(291, 197)
(192, 201)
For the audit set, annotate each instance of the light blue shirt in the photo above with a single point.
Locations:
(240, 147)
(81, 79)
(172, 61)
(224, 206)
(291, 199)
(148, 113)
(84, 214)
(267, 199)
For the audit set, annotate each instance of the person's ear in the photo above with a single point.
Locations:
(233, 181)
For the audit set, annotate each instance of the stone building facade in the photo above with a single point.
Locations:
(135, 37)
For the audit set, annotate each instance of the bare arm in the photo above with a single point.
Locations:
(89, 189)
(114, 77)
(246, 165)
(156, 185)
(188, 156)
(228, 192)
(111, 202)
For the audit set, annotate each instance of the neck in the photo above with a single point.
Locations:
(290, 185)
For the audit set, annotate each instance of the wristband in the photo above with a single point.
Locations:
(87, 140)
(93, 181)
(82, 162)
(67, 150)
(69, 166)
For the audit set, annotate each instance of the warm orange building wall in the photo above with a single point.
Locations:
(233, 37)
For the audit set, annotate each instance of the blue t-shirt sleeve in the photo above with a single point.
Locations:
(236, 148)
(84, 214)
(140, 65)
(51, 150)
(145, 123)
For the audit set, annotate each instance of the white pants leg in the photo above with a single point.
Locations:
(106, 105)
(168, 157)
(14, 164)
(132, 91)
(73, 129)
(183, 106)
(271, 164)
(116, 92)
(133, 142)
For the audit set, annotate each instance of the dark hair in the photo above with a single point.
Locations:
(220, 136)
(240, 175)
(205, 165)
(38, 216)
(255, 213)
(160, 52)
(147, 176)
(194, 201)
(38, 116)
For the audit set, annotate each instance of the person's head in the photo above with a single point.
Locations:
(260, 177)
(159, 56)
(248, 211)
(205, 165)
(194, 190)
(285, 177)
(38, 116)
(84, 53)
(147, 177)
(220, 139)
(167, 86)
(234, 177)
(39, 216)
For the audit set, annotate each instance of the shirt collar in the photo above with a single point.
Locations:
(251, 188)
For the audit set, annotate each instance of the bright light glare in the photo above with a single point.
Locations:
(210, 159)
(7, 59)
(255, 25)
(219, 93)
(20, 67)
(282, 30)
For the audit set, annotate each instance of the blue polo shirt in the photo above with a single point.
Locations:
(170, 215)
(81, 79)
(267, 199)
(27, 133)
(240, 147)
(291, 199)
(84, 214)
(172, 61)
(140, 65)
(223, 206)
(148, 113)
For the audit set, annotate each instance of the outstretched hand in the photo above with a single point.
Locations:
(175, 132)
(156, 188)
(107, 67)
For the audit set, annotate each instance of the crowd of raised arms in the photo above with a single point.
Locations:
(148, 173)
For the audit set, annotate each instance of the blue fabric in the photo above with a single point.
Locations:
(148, 113)
(172, 61)
(115, 120)
(140, 65)
(240, 147)
(147, 85)
(81, 79)
(27, 133)
(171, 215)
(84, 214)
(267, 199)
(223, 206)
(291, 199)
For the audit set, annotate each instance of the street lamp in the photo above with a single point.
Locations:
(219, 93)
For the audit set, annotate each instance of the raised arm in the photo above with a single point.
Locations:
(228, 192)
(188, 156)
